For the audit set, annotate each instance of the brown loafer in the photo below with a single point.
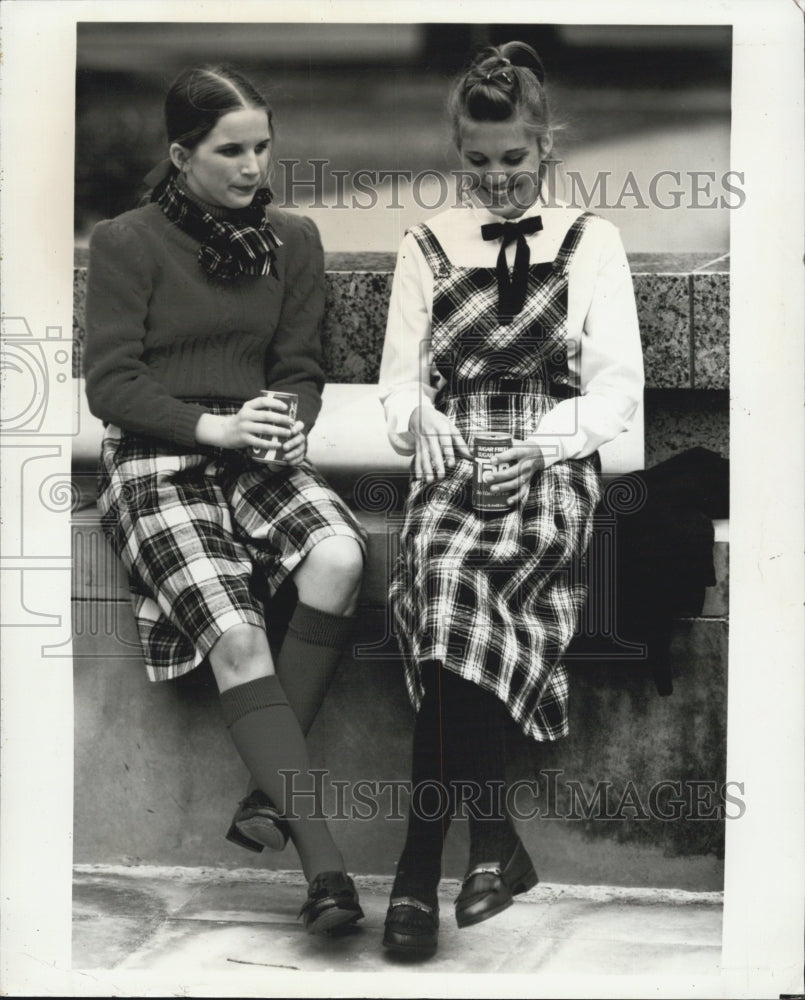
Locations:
(489, 889)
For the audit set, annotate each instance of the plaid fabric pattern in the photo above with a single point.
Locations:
(496, 598)
(245, 245)
(204, 536)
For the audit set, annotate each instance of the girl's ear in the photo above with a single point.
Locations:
(545, 144)
(179, 156)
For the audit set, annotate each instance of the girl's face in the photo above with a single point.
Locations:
(503, 159)
(231, 162)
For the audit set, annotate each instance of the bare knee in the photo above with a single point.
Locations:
(330, 576)
(240, 655)
(339, 558)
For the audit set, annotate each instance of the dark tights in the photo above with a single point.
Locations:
(458, 755)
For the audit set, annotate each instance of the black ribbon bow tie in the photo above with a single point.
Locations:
(512, 291)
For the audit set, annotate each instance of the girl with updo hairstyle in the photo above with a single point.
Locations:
(514, 314)
(501, 84)
(198, 301)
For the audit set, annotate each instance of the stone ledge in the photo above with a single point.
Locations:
(98, 576)
(544, 892)
(369, 260)
(349, 443)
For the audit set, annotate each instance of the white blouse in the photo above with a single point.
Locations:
(604, 348)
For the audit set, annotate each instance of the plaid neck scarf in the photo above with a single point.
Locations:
(243, 244)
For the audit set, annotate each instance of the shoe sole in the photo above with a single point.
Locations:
(526, 882)
(234, 836)
(333, 918)
(466, 918)
(405, 945)
(262, 832)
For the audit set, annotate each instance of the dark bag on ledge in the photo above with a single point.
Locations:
(659, 523)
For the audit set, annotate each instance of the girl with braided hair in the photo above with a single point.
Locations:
(510, 313)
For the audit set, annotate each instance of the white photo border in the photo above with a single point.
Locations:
(764, 866)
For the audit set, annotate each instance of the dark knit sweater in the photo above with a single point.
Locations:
(160, 333)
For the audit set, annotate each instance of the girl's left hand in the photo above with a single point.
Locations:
(524, 461)
(295, 448)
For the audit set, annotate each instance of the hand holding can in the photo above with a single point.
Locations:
(484, 448)
(272, 452)
(512, 471)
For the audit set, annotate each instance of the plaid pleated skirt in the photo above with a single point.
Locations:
(205, 536)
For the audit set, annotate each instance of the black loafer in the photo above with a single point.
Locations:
(412, 927)
(332, 902)
(258, 824)
(489, 889)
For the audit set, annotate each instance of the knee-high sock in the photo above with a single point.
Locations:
(307, 661)
(268, 738)
(430, 809)
(477, 761)
(308, 658)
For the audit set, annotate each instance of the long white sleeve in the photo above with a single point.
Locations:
(405, 365)
(610, 360)
(603, 339)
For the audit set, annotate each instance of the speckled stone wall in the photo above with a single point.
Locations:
(356, 303)
(663, 310)
(683, 314)
(710, 328)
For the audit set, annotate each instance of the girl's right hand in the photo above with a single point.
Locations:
(436, 441)
(257, 419)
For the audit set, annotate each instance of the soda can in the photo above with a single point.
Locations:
(272, 452)
(484, 448)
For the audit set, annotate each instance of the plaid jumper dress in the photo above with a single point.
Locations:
(496, 598)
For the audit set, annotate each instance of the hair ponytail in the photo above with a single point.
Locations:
(522, 55)
(502, 82)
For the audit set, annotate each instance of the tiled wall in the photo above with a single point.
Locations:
(684, 323)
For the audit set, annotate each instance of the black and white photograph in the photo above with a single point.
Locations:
(402, 477)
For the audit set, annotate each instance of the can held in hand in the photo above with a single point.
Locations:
(484, 448)
(272, 452)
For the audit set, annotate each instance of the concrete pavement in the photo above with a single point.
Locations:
(184, 925)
